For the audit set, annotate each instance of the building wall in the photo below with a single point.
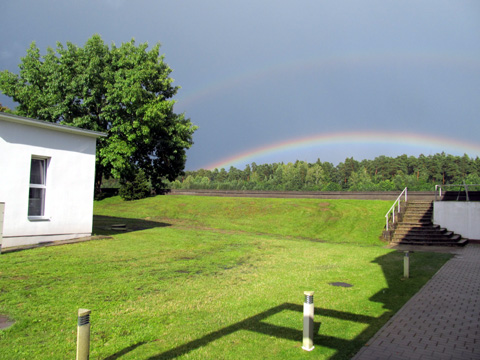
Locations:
(461, 217)
(2, 205)
(69, 183)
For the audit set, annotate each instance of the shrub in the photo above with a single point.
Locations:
(137, 189)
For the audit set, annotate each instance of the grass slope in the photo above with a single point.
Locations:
(210, 278)
(351, 221)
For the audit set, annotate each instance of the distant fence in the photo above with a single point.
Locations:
(357, 195)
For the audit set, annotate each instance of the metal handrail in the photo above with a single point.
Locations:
(438, 189)
(392, 209)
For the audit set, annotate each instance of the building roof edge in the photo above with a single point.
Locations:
(48, 125)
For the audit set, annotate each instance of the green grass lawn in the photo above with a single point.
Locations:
(210, 278)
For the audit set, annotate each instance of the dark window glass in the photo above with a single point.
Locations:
(36, 202)
(36, 196)
(37, 172)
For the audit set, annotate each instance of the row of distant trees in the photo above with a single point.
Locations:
(383, 173)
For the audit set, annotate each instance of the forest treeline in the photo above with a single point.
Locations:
(383, 173)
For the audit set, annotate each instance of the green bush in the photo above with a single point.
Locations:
(137, 189)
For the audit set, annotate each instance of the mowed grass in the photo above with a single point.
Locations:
(350, 221)
(210, 278)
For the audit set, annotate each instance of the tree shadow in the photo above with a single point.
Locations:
(391, 265)
(256, 324)
(124, 351)
(111, 225)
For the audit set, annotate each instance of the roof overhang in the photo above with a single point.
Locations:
(50, 126)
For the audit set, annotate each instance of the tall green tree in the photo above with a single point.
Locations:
(124, 91)
(315, 177)
(346, 169)
(360, 181)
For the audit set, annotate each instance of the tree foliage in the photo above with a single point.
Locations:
(5, 109)
(124, 91)
(381, 174)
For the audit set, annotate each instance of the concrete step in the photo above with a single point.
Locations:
(419, 225)
(417, 218)
(419, 208)
(423, 232)
(418, 237)
(417, 222)
(461, 242)
(417, 228)
(419, 212)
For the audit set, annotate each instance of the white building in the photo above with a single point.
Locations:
(47, 176)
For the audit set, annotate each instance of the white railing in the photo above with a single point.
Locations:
(392, 209)
(438, 190)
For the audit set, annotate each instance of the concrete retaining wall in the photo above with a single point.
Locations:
(459, 216)
(357, 195)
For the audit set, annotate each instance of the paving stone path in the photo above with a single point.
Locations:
(442, 321)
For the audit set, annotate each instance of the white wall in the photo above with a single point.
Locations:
(461, 217)
(2, 205)
(70, 183)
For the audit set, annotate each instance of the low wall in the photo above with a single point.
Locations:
(461, 217)
(357, 195)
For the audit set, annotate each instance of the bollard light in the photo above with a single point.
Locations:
(406, 265)
(308, 313)
(83, 334)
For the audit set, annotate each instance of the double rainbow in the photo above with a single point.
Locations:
(427, 142)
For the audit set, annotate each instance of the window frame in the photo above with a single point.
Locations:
(42, 186)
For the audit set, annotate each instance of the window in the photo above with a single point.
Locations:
(38, 181)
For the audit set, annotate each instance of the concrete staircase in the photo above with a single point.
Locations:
(416, 228)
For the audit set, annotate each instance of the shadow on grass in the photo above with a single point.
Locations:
(256, 324)
(124, 351)
(108, 225)
(392, 298)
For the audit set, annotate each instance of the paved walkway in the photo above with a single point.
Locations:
(442, 321)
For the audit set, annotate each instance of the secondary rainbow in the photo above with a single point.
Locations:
(371, 138)
(264, 72)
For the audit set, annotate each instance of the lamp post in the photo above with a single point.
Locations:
(308, 313)
(406, 265)
(83, 334)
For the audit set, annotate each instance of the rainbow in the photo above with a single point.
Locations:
(376, 138)
(225, 83)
